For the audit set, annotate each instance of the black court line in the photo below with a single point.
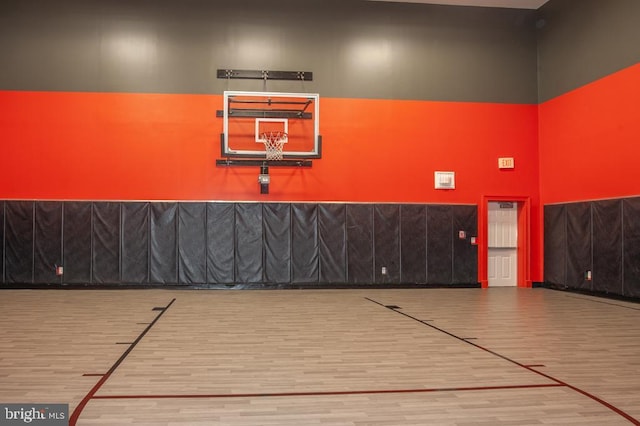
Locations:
(324, 393)
(558, 381)
(76, 413)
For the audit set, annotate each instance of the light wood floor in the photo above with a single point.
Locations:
(331, 357)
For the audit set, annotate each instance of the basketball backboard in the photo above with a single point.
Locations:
(248, 116)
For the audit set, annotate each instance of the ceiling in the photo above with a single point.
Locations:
(516, 4)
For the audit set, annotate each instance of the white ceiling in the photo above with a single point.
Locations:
(516, 4)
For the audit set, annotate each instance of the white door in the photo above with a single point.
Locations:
(503, 244)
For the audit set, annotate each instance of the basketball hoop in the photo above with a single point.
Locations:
(273, 143)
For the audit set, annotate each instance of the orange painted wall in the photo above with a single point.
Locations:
(148, 146)
(589, 141)
(115, 146)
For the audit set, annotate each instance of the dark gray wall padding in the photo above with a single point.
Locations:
(2, 242)
(305, 243)
(236, 244)
(631, 246)
(221, 243)
(386, 225)
(47, 242)
(555, 244)
(360, 243)
(579, 250)
(413, 243)
(332, 232)
(249, 236)
(439, 244)
(163, 238)
(18, 241)
(77, 234)
(277, 242)
(134, 242)
(607, 246)
(192, 243)
(105, 253)
(599, 236)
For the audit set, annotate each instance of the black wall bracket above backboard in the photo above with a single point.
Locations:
(264, 108)
(265, 74)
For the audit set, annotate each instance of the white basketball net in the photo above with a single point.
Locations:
(273, 143)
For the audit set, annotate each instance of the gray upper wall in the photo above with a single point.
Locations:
(580, 41)
(356, 49)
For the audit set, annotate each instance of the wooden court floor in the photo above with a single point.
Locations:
(323, 357)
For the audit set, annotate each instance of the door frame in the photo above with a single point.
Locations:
(524, 238)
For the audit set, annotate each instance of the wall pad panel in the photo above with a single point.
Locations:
(105, 253)
(277, 243)
(163, 243)
(19, 242)
(2, 242)
(360, 243)
(631, 244)
(440, 244)
(607, 246)
(192, 243)
(47, 242)
(235, 244)
(76, 235)
(305, 259)
(386, 225)
(555, 244)
(579, 249)
(221, 247)
(249, 236)
(413, 243)
(332, 232)
(134, 243)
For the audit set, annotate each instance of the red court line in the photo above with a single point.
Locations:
(327, 393)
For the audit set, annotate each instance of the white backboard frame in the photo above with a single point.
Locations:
(259, 152)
